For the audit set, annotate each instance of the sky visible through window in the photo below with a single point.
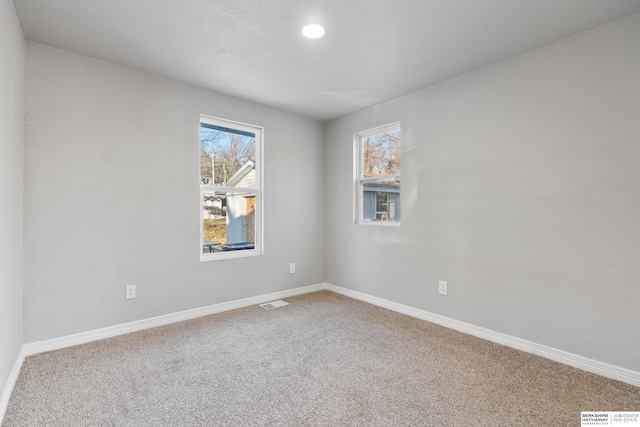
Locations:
(223, 152)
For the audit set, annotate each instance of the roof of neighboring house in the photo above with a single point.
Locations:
(240, 173)
(389, 187)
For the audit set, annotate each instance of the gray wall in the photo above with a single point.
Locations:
(521, 188)
(112, 198)
(11, 199)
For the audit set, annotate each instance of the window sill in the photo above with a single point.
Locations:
(379, 223)
(215, 256)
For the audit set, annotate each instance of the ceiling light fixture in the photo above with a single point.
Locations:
(313, 31)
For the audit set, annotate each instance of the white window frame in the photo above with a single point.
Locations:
(360, 180)
(257, 190)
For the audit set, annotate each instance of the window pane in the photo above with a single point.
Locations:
(229, 221)
(224, 152)
(381, 154)
(381, 201)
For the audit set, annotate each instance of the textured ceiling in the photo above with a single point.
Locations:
(373, 50)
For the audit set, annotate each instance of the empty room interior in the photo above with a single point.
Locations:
(440, 200)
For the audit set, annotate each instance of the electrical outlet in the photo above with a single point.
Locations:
(130, 292)
(442, 290)
(292, 268)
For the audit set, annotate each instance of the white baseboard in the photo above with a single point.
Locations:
(139, 325)
(10, 384)
(604, 369)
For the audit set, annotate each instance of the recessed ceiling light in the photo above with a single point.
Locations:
(313, 31)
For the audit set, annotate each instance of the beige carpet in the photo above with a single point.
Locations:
(323, 360)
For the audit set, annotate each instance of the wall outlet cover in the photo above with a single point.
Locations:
(130, 292)
(442, 287)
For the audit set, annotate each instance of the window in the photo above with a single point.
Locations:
(377, 174)
(230, 189)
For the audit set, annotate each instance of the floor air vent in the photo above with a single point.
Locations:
(274, 304)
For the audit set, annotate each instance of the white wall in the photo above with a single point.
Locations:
(11, 200)
(521, 188)
(107, 145)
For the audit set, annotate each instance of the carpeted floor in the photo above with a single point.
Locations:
(323, 360)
